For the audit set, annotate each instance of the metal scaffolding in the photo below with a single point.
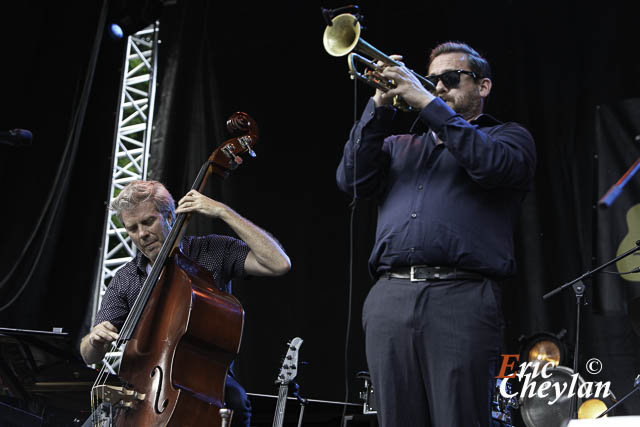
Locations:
(130, 156)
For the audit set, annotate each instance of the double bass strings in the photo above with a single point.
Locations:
(132, 318)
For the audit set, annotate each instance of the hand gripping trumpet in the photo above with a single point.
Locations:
(342, 37)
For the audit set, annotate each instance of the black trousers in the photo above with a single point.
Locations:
(237, 400)
(432, 350)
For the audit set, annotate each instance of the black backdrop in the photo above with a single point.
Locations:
(553, 64)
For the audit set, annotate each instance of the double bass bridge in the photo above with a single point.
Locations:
(118, 396)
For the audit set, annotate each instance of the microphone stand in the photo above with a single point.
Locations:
(636, 386)
(579, 288)
(303, 401)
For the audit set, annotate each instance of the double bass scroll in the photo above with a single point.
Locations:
(226, 157)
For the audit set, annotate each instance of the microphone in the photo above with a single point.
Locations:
(327, 14)
(16, 137)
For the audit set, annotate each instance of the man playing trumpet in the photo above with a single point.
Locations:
(449, 193)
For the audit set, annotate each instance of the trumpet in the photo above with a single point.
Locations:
(342, 37)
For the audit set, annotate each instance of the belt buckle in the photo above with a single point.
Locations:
(427, 276)
(413, 273)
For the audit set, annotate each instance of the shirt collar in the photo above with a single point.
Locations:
(141, 262)
(485, 120)
(481, 120)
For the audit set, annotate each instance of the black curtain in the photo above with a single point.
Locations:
(60, 82)
(553, 64)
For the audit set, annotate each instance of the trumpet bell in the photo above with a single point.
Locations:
(342, 36)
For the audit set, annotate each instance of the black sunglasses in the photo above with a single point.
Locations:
(450, 79)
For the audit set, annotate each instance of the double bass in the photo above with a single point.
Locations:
(183, 332)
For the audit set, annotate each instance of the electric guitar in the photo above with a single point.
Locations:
(630, 262)
(287, 373)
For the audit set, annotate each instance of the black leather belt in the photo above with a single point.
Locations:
(421, 273)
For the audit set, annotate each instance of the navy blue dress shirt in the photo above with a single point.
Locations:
(453, 204)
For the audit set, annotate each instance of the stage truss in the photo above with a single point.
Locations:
(130, 157)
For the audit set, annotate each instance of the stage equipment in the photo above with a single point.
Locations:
(544, 347)
(366, 394)
(579, 288)
(636, 387)
(502, 407)
(116, 31)
(342, 37)
(536, 412)
(130, 17)
(131, 144)
(43, 380)
(591, 408)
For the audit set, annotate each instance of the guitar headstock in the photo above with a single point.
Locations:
(289, 368)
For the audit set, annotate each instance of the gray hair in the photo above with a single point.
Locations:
(137, 192)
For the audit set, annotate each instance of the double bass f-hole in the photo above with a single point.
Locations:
(157, 383)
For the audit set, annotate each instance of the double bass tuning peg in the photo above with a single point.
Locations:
(245, 143)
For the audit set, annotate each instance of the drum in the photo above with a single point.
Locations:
(537, 412)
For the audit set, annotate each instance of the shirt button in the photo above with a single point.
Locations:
(358, 141)
(412, 250)
(420, 187)
(413, 215)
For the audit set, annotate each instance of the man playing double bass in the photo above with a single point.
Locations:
(147, 211)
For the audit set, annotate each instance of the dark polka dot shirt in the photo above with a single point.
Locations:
(222, 256)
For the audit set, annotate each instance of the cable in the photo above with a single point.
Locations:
(352, 207)
(617, 273)
(71, 146)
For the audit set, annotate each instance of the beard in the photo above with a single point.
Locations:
(468, 104)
